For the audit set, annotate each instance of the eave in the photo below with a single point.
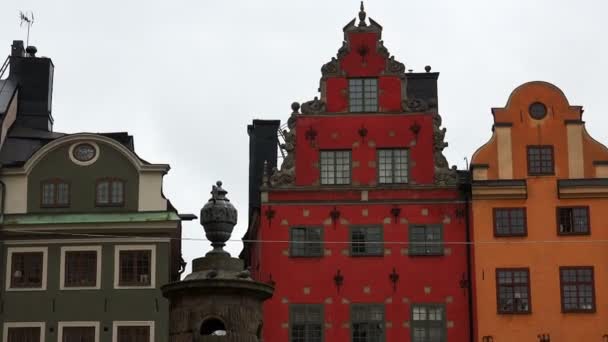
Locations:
(583, 188)
(500, 189)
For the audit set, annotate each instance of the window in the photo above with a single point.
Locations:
(78, 331)
(110, 192)
(573, 221)
(306, 323)
(80, 267)
(540, 160)
(28, 267)
(366, 241)
(578, 291)
(335, 167)
(24, 332)
(510, 222)
(428, 323)
(137, 331)
(306, 242)
(55, 194)
(513, 290)
(392, 166)
(363, 94)
(426, 240)
(135, 266)
(367, 322)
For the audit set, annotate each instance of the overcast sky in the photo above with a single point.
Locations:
(186, 77)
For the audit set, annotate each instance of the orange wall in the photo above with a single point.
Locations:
(543, 251)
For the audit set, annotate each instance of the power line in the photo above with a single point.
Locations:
(404, 243)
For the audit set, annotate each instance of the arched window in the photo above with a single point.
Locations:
(55, 193)
(110, 192)
(213, 327)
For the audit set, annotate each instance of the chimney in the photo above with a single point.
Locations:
(34, 77)
(263, 143)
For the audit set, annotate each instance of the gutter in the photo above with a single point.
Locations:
(469, 261)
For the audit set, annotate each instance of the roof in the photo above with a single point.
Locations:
(7, 91)
(22, 142)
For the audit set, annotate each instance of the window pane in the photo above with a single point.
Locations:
(306, 322)
(513, 291)
(117, 192)
(366, 241)
(133, 334)
(78, 334)
(26, 270)
(540, 160)
(426, 240)
(24, 334)
(577, 289)
(80, 268)
(103, 192)
(363, 95)
(63, 194)
(48, 194)
(428, 323)
(509, 222)
(135, 268)
(335, 167)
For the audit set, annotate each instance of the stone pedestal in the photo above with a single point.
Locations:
(218, 301)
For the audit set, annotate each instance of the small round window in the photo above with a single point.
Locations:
(538, 111)
(84, 152)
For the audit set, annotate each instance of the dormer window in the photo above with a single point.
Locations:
(55, 194)
(110, 192)
(363, 95)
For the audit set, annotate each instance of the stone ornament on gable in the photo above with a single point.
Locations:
(286, 175)
(444, 175)
(314, 106)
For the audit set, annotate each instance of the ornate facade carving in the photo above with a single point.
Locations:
(331, 68)
(419, 105)
(315, 106)
(395, 67)
(444, 175)
(286, 175)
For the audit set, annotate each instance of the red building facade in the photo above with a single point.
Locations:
(361, 228)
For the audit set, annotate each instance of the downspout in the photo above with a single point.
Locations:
(467, 196)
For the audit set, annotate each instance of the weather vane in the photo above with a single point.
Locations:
(27, 18)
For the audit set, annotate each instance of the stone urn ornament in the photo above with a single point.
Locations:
(218, 218)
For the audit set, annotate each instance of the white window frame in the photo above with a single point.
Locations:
(8, 325)
(120, 248)
(62, 269)
(9, 266)
(117, 324)
(76, 324)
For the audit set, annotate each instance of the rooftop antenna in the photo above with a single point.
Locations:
(27, 18)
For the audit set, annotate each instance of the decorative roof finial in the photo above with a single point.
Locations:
(362, 16)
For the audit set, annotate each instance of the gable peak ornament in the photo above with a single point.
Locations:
(362, 16)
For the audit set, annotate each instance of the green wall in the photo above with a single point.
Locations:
(104, 305)
(82, 179)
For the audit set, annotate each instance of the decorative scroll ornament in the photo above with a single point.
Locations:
(331, 68)
(444, 175)
(287, 174)
(315, 106)
(394, 66)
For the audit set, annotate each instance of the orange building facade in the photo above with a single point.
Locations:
(540, 222)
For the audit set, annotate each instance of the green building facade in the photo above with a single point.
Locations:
(87, 236)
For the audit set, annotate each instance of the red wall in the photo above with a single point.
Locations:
(441, 273)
